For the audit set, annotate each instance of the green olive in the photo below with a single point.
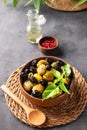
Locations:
(41, 69)
(66, 80)
(38, 87)
(38, 77)
(42, 62)
(27, 85)
(49, 83)
(30, 74)
(48, 76)
(53, 64)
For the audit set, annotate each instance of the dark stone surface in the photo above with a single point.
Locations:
(71, 30)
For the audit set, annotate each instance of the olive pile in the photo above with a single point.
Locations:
(37, 76)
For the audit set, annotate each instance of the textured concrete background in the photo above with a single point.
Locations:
(71, 30)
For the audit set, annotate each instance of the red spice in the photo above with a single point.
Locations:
(48, 44)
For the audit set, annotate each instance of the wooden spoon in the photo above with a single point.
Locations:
(34, 116)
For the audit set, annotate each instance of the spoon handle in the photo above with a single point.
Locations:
(16, 99)
(31, 112)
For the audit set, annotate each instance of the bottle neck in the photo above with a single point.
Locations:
(33, 22)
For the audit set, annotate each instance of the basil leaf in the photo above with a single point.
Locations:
(4, 1)
(15, 2)
(55, 73)
(50, 91)
(66, 70)
(63, 87)
(58, 79)
(37, 4)
(45, 94)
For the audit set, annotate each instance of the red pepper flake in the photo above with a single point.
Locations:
(48, 44)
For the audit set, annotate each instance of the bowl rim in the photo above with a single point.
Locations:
(27, 95)
(57, 42)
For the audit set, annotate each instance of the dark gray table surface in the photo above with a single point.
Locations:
(71, 30)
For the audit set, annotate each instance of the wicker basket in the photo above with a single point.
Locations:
(65, 5)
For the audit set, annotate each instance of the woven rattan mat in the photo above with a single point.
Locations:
(65, 5)
(64, 113)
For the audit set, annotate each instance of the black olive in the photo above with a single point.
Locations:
(32, 69)
(49, 60)
(33, 79)
(36, 93)
(71, 75)
(34, 62)
(26, 71)
(48, 67)
(67, 86)
(44, 82)
(58, 68)
(60, 63)
(23, 76)
(57, 83)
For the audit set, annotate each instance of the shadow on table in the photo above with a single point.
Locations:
(58, 53)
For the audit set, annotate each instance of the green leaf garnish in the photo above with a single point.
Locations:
(58, 79)
(63, 87)
(55, 73)
(50, 91)
(66, 70)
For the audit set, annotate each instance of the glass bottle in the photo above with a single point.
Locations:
(34, 30)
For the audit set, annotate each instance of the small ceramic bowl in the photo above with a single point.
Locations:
(49, 102)
(48, 45)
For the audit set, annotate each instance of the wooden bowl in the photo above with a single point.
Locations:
(49, 102)
(49, 50)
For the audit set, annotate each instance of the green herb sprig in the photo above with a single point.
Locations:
(58, 84)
